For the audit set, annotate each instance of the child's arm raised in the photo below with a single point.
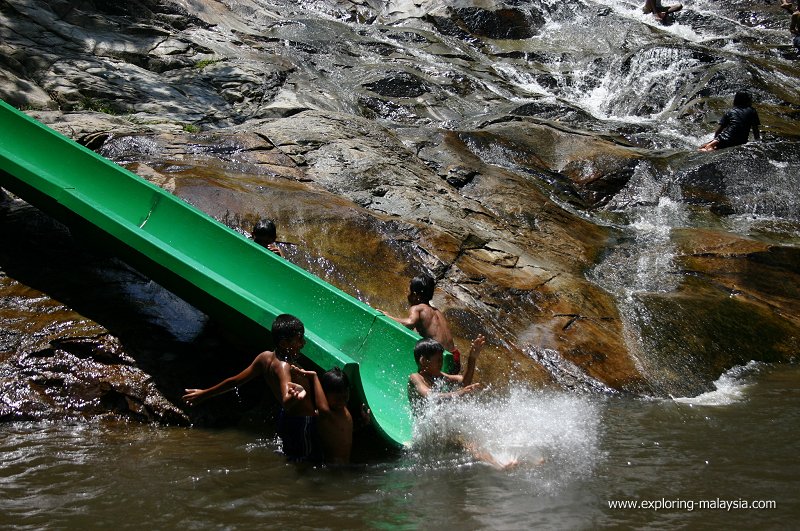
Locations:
(474, 352)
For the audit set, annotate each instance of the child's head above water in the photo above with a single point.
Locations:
(285, 329)
(428, 353)
(421, 289)
(336, 385)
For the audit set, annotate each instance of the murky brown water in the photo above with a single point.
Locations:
(737, 444)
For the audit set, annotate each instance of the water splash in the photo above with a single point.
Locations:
(525, 426)
(731, 387)
(126, 149)
(763, 188)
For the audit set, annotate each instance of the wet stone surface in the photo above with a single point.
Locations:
(554, 191)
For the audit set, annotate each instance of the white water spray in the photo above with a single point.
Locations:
(730, 387)
(552, 436)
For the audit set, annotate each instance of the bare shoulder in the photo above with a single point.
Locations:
(266, 360)
(418, 381)
(428, 313)
(421, 308)
(266, 356)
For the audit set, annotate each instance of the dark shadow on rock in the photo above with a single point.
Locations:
(42, 254)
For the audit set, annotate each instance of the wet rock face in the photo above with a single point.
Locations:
(399, 85)
(392, 138)
(82, 376)
(56, 362)
(502, 23)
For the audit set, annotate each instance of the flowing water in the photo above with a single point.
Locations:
(694, 462)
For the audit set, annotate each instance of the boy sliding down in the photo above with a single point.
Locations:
(661, 12)
(736, 124)
(429, 383)
(429, 322)
(296, 424)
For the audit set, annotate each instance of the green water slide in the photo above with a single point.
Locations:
(233, 280)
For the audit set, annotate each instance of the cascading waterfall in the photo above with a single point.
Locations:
(763, 188)
(644, 262)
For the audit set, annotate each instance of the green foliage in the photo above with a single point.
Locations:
(206, 62)
(93, 104)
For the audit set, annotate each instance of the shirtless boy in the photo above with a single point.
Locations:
(429, 383)
(662, 13)
(429, 322)
(335, 424)
(296, 424)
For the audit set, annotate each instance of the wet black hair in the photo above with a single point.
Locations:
(265, 229)
(286, 326)
(423, 286)
(742, 99)
(427, 348)
(335, 381)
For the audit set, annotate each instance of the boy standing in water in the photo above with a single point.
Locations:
(429, 322)
(660, 12)
(735, 125)
(335, 424)
(296, 424)
(794, 23)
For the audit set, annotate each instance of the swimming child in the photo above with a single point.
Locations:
(265, 234)
(735, 125)
(335, 424)
(661, 12)
(297, 419)
(428, 321)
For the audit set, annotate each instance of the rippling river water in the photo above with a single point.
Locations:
(731, 447)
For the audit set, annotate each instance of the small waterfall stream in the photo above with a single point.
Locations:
(644, 262)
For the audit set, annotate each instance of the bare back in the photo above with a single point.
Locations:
(336, 433)
(432, 323)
